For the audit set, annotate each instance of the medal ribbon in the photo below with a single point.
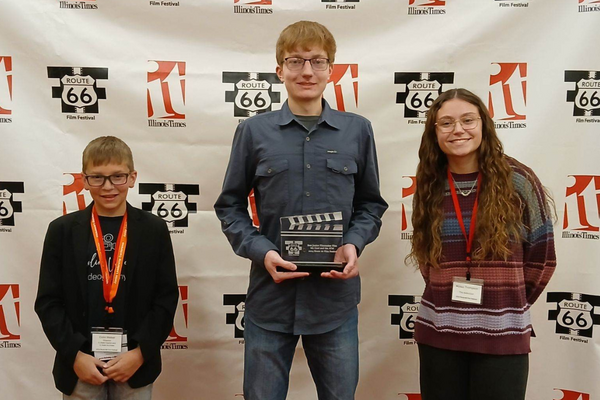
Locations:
(469, 237)
(110, 282)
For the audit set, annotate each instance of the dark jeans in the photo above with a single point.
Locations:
(461, 375)
(332, 358)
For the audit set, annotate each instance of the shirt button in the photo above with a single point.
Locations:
(307, 194)
(345, 168)
(269, 171)
(308, 138)
(308, 166)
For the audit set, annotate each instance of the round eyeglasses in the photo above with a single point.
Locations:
(468, 122)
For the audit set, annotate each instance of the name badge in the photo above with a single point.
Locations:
(108, 343)
(464, 291)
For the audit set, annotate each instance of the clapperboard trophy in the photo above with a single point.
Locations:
(310, 241)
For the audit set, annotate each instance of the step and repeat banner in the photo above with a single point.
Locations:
(174, 78)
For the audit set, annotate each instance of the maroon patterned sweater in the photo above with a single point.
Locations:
(502, 323)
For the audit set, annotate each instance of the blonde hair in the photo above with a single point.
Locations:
(304, 35)
(107, 149)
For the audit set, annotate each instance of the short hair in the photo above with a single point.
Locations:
(305, 34)
(107, 149)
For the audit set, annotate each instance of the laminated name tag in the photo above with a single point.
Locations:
(465, 291)
(107, 343)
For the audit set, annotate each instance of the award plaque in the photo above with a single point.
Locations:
(310, 241)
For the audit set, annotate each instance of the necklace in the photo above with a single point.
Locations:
(465, 193)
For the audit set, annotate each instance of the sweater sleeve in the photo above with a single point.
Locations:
(539, 257)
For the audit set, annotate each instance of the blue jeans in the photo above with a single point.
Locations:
(332, 359)
(109, 390)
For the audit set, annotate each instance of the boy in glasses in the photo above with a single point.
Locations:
(108, 290)
(303, 160)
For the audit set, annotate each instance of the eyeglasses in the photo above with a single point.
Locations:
(467, 122)
(100, 180)
(297, 63)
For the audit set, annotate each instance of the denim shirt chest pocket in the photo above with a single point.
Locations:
(340, 180)
(271, 181)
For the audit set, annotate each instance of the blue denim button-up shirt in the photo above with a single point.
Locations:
(293, 171)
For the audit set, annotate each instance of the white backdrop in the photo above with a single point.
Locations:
(174, 78)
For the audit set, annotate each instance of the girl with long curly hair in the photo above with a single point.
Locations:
(484, 243)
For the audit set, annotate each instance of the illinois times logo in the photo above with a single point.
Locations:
(10, 317)
(252, 92)
(507, 95)
(582, 208)
(5, 90)
(171, 202)
(575, 315)
(8, 205)
(236, 318)
(75, 197)
(342, 87)
(78, 90)
(166, 94)
(573, 395)
(426, 7)
(419, 90)
(178, 338)
(406, 318)
(408, 190)
(585, 95)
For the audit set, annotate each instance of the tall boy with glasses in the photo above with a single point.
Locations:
(108, 290)
(304, 159)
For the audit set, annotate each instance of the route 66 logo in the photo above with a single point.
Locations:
(78, 88)
(78, 91)
(588, 94)
(170, 205)
(420, 89)
(409, 315)
(253, 95)
(252, 92)
(6, 209)
(421, 95)
(575, 314)
(293, 247)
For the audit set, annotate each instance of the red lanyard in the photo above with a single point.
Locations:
(469, 238)
(110, 282)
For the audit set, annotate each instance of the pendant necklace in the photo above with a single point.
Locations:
(465, 193)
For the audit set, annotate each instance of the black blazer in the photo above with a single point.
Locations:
(62, 300)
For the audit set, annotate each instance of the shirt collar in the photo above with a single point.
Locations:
(327, 115)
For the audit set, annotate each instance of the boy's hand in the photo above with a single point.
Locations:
(274, 260)
(122, 367)
(347, 254)
(86, 368)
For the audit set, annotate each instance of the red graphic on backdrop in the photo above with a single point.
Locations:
(573, 395)
(427, 3)
(407, 192)
(180, 324)
(166, 89)
(254, 2)
(74, 193)
(410, 396)
(5, 85)
(252, 202)
(344, 79)
(10, 313)
(582, 204)
(589, 1)
(508, 91)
